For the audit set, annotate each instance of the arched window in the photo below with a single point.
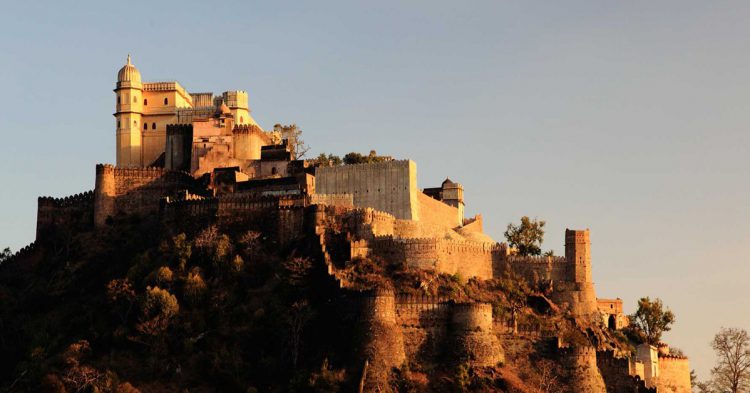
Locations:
(153, 126)
(145, 101)
(145, 126)
(273, 170)
(166, 101)
(118, 99)
(135, 99)
(242, 120)
(118, 124)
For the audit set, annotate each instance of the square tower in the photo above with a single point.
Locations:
(578, 254)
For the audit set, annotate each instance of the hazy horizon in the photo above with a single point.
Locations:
(628, 118)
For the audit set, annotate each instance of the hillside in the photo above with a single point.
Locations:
(226, 305)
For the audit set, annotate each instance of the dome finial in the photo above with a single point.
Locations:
(129, 59)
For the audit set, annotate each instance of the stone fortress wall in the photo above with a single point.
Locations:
(427, 326)
(436, 213)
(468, 259)
(376, 209)
(75, 211)
(135, 190)
(389, 186)
(674, 374)
(415, 243)
(620, 375)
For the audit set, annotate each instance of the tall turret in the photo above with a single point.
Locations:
(578, 254)
(104, 194)
(237, 103)
(129, 113)
(453, 195)
(578, 292)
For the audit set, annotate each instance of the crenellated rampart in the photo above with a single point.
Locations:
(23, 252)
(136, 190)
(433, 325)
(467, 258)
(618, 375)
(674, 374)
(74, 212)
(533, 268)
(342, 200)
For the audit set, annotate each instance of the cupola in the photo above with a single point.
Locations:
(129, 74)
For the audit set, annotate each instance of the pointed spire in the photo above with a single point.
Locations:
(129, 63)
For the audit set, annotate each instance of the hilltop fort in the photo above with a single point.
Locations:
(185, 159)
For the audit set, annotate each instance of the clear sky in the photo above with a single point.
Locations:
(630, 118)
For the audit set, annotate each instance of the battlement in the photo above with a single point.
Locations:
(231, 204)
(236, 99)
(73, 200)
(75, 211)
(577, 236)
(379, 305)
(147, 172)
(433, 243)
(135, 190)
(168, 86)
(24, 251)
(671, 357)
(536, 259)
(578, 351)
(202, 100)
(373, 215)
(472, 316)
(246, 129)
(343, 200)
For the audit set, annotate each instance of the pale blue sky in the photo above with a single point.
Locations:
(629, 118)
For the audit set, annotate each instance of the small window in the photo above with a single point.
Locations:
(135, 99)
(166, 101)
(273, 170)
(242, 120)
(153, 126)
(145, 126)
(145, 101)
(118, 124)
(135, 122)
(118, 99)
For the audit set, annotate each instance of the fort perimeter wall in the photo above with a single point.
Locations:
(135, 190)
(389, 186)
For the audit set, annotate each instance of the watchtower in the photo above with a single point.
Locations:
(578, 254)
(453, 195)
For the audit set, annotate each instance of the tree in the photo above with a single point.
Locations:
(121, 297)
(527, 237)
(158, 307)
(515, 290)
(293, 135)
(651, 320)
(357, 158)
(299, 314)
(5, 255)
(732, 370)
(195, 287)
(328, 160)
(297, 270)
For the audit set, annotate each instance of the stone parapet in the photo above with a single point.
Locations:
(73, 200)
(74, 212)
